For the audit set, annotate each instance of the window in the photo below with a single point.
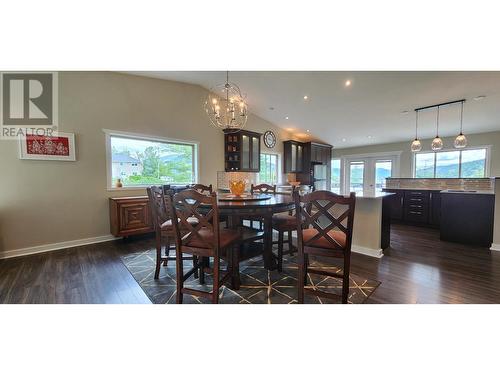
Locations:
(141, 161)
(356, 176)
(383, 170)
(335, 176)
(469, 163)
(268, 169)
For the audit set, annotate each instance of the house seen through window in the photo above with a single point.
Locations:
(140, 162)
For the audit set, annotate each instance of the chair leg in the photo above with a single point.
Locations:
(290, 245)
(306, 265)
(235, 268)
(195, 265)
(280, 251)
(345, 279)
(300, 278)
(179, 275)
(158, 256)
(202, 263)
(215, 290)
(167, 251)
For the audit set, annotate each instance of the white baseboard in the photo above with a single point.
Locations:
(495, 247)
(55, 246)
(376, 253)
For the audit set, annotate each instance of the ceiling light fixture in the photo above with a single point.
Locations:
(480, 97)
(369, 137)
(437, 142)
(306, 97)
(228, 111)
(286, 118)
(416, 145)
(461, 140)
(347, 83)
(308, 131)
(404, 112)
(343, 139)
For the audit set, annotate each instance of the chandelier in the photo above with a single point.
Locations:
(226, 107)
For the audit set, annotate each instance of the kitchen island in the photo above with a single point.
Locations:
(372, 223)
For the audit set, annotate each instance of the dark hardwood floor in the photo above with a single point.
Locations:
(418, 268)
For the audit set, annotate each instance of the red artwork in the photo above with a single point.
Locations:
(37, 145)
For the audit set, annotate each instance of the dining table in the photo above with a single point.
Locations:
(258, 207)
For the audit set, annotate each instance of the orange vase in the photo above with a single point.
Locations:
(237, 187)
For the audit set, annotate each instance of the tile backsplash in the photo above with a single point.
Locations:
(224, 177)
(441, 183)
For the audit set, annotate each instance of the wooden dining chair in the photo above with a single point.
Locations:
(324, 227)
(260, 189)
(203, 189)
(202, 240)
(164, 230)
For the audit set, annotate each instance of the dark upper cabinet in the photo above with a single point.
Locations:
(242, 151)
(293, 156)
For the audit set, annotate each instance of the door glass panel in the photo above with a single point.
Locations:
(294, 157)
(473, 163)
(335, 175)
(447, 164)
(356, 176)
(383, 169)
(255, 153)
(245, 152)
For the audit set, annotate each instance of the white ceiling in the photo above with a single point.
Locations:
(370, 107)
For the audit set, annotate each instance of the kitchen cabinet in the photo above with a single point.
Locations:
(293, 157)
(418, 207)
(242, 151)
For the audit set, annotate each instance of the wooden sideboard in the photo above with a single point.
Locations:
(129, 216)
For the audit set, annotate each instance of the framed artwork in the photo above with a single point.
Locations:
(60, 147)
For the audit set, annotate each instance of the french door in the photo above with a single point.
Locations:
(367, 174)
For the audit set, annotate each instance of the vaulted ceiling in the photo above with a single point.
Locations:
(377, 107)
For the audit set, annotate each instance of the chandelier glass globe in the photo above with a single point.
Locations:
(437, 144)
(226, 107)
(416, 145)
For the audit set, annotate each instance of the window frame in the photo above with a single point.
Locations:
(486, 164)
(122, 134)
(278, 167)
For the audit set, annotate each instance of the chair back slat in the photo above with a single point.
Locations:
(190, 204)
(262, 189)
(157, 206)
(325, 211)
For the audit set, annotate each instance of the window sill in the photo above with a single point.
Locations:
(127, 188)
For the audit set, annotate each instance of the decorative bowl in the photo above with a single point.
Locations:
(237, 187)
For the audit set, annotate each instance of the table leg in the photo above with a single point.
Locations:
(233, 222)
(269, 261)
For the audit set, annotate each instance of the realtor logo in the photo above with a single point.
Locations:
(28, 104)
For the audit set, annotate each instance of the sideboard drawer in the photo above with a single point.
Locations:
(129, 216)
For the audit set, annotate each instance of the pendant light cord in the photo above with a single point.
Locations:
(437, 126)
(416, 126)
(461, 118)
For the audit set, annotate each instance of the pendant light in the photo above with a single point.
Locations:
(416, 145)
(437, 143)
(461, 140)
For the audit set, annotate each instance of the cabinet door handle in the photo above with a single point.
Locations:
(415, 213)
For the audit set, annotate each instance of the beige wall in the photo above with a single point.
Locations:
(44, 202)
(483, 139)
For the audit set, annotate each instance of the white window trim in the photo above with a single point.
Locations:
(487, 171)
(109, 170)
(278, 172)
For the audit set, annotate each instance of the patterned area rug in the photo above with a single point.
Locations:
(258, 285)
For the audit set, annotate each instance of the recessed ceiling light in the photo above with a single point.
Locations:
(404, 112)
(480, 97)
(286, 118)
(271, 108)
(343, 139)
(347, 83)
(306, 97)
(308, 130)
(369, 137)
